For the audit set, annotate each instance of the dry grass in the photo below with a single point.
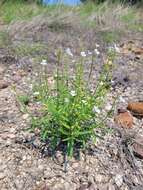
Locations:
(112, 16)
(108, 19)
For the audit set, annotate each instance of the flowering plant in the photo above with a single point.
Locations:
(71, 109)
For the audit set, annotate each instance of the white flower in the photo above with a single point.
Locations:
(84, 102)
(36, 93)
(73, 61)
(97, 45)
(31, 86)
(96, 109)
(96, 51)
(83, 54)
(117, 49)
(38, 103)
(111, 48)
(66, 100)
(89, 52)
(44, 62)
(73, 93)
(112, 82)
(101, 83)
(68, 51)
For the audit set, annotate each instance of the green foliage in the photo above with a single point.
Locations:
(70, 111)
(109, 36)
(33, 49)
(19, 10)
(11, 11)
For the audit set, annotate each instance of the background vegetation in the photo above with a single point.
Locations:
(95, 1)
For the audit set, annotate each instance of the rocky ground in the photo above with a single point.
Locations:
(111, 164)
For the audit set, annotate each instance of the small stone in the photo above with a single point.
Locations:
(67, 186)
(108, 107)
(93, 187)
(47, 172)
(121, 99)
(99, 178)
(119, 180)
(25, 116)
(2, 175)
(16, 78)
(24, 157)
(137, 147)
(136, 108)
(2, 69)
(42, 186)
(124, 119)
(111, 187)
(11, 136)
(8, 142)
(12, 130)
(75, 165)
(3, 84)
(103, 186)
(57, 186)
(41, 167)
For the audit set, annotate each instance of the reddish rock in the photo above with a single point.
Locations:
(3, 84)
(124, 119)
(138, 147)
(136, 108)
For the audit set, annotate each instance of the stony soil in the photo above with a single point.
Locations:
(24, 160)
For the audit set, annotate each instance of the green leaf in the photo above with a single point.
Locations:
(63, 132)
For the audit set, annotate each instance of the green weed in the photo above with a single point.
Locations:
(24, 99)
(70, 108)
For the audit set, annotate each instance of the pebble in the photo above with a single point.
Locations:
(124, 119)
(108, 107)
(136, 108)
(8, 142)
(58, 186)
(24, 157)
(2, 69)
(111, 187)
(3, 84)
(25, 116)
(2, 175)
(118, 180)
(98, 178)
(137, 146)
